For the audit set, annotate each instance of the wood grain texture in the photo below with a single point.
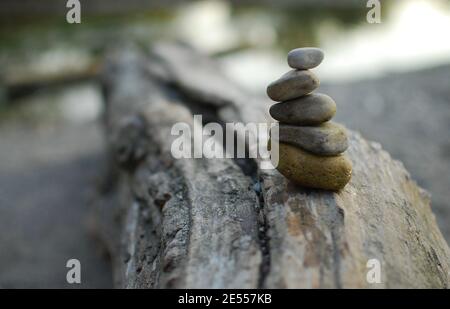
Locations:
(224, 223)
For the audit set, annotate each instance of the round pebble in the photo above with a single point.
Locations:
(308, 170)
(305, 58)
(292, 85)
(312, 109)
(328, 139)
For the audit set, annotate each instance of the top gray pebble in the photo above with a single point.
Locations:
(305, 58)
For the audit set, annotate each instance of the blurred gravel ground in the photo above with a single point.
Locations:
(47, 176)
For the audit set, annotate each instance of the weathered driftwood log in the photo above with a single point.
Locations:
(224, 223)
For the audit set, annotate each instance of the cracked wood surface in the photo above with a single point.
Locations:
(191, 223)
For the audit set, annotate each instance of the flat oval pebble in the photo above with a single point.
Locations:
(305, 58)
(308, 170)
(328, 139)
(312, 109)
(292, 85)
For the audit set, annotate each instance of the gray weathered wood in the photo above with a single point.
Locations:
(226, 223)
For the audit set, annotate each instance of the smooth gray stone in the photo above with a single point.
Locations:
(328, 139)
(305, 58)
(312, 109)
(292, 85)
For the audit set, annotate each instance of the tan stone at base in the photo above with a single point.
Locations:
(308, 170)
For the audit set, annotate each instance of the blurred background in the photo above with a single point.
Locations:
(391, 82)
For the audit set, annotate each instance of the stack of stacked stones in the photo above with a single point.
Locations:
(310, 146)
